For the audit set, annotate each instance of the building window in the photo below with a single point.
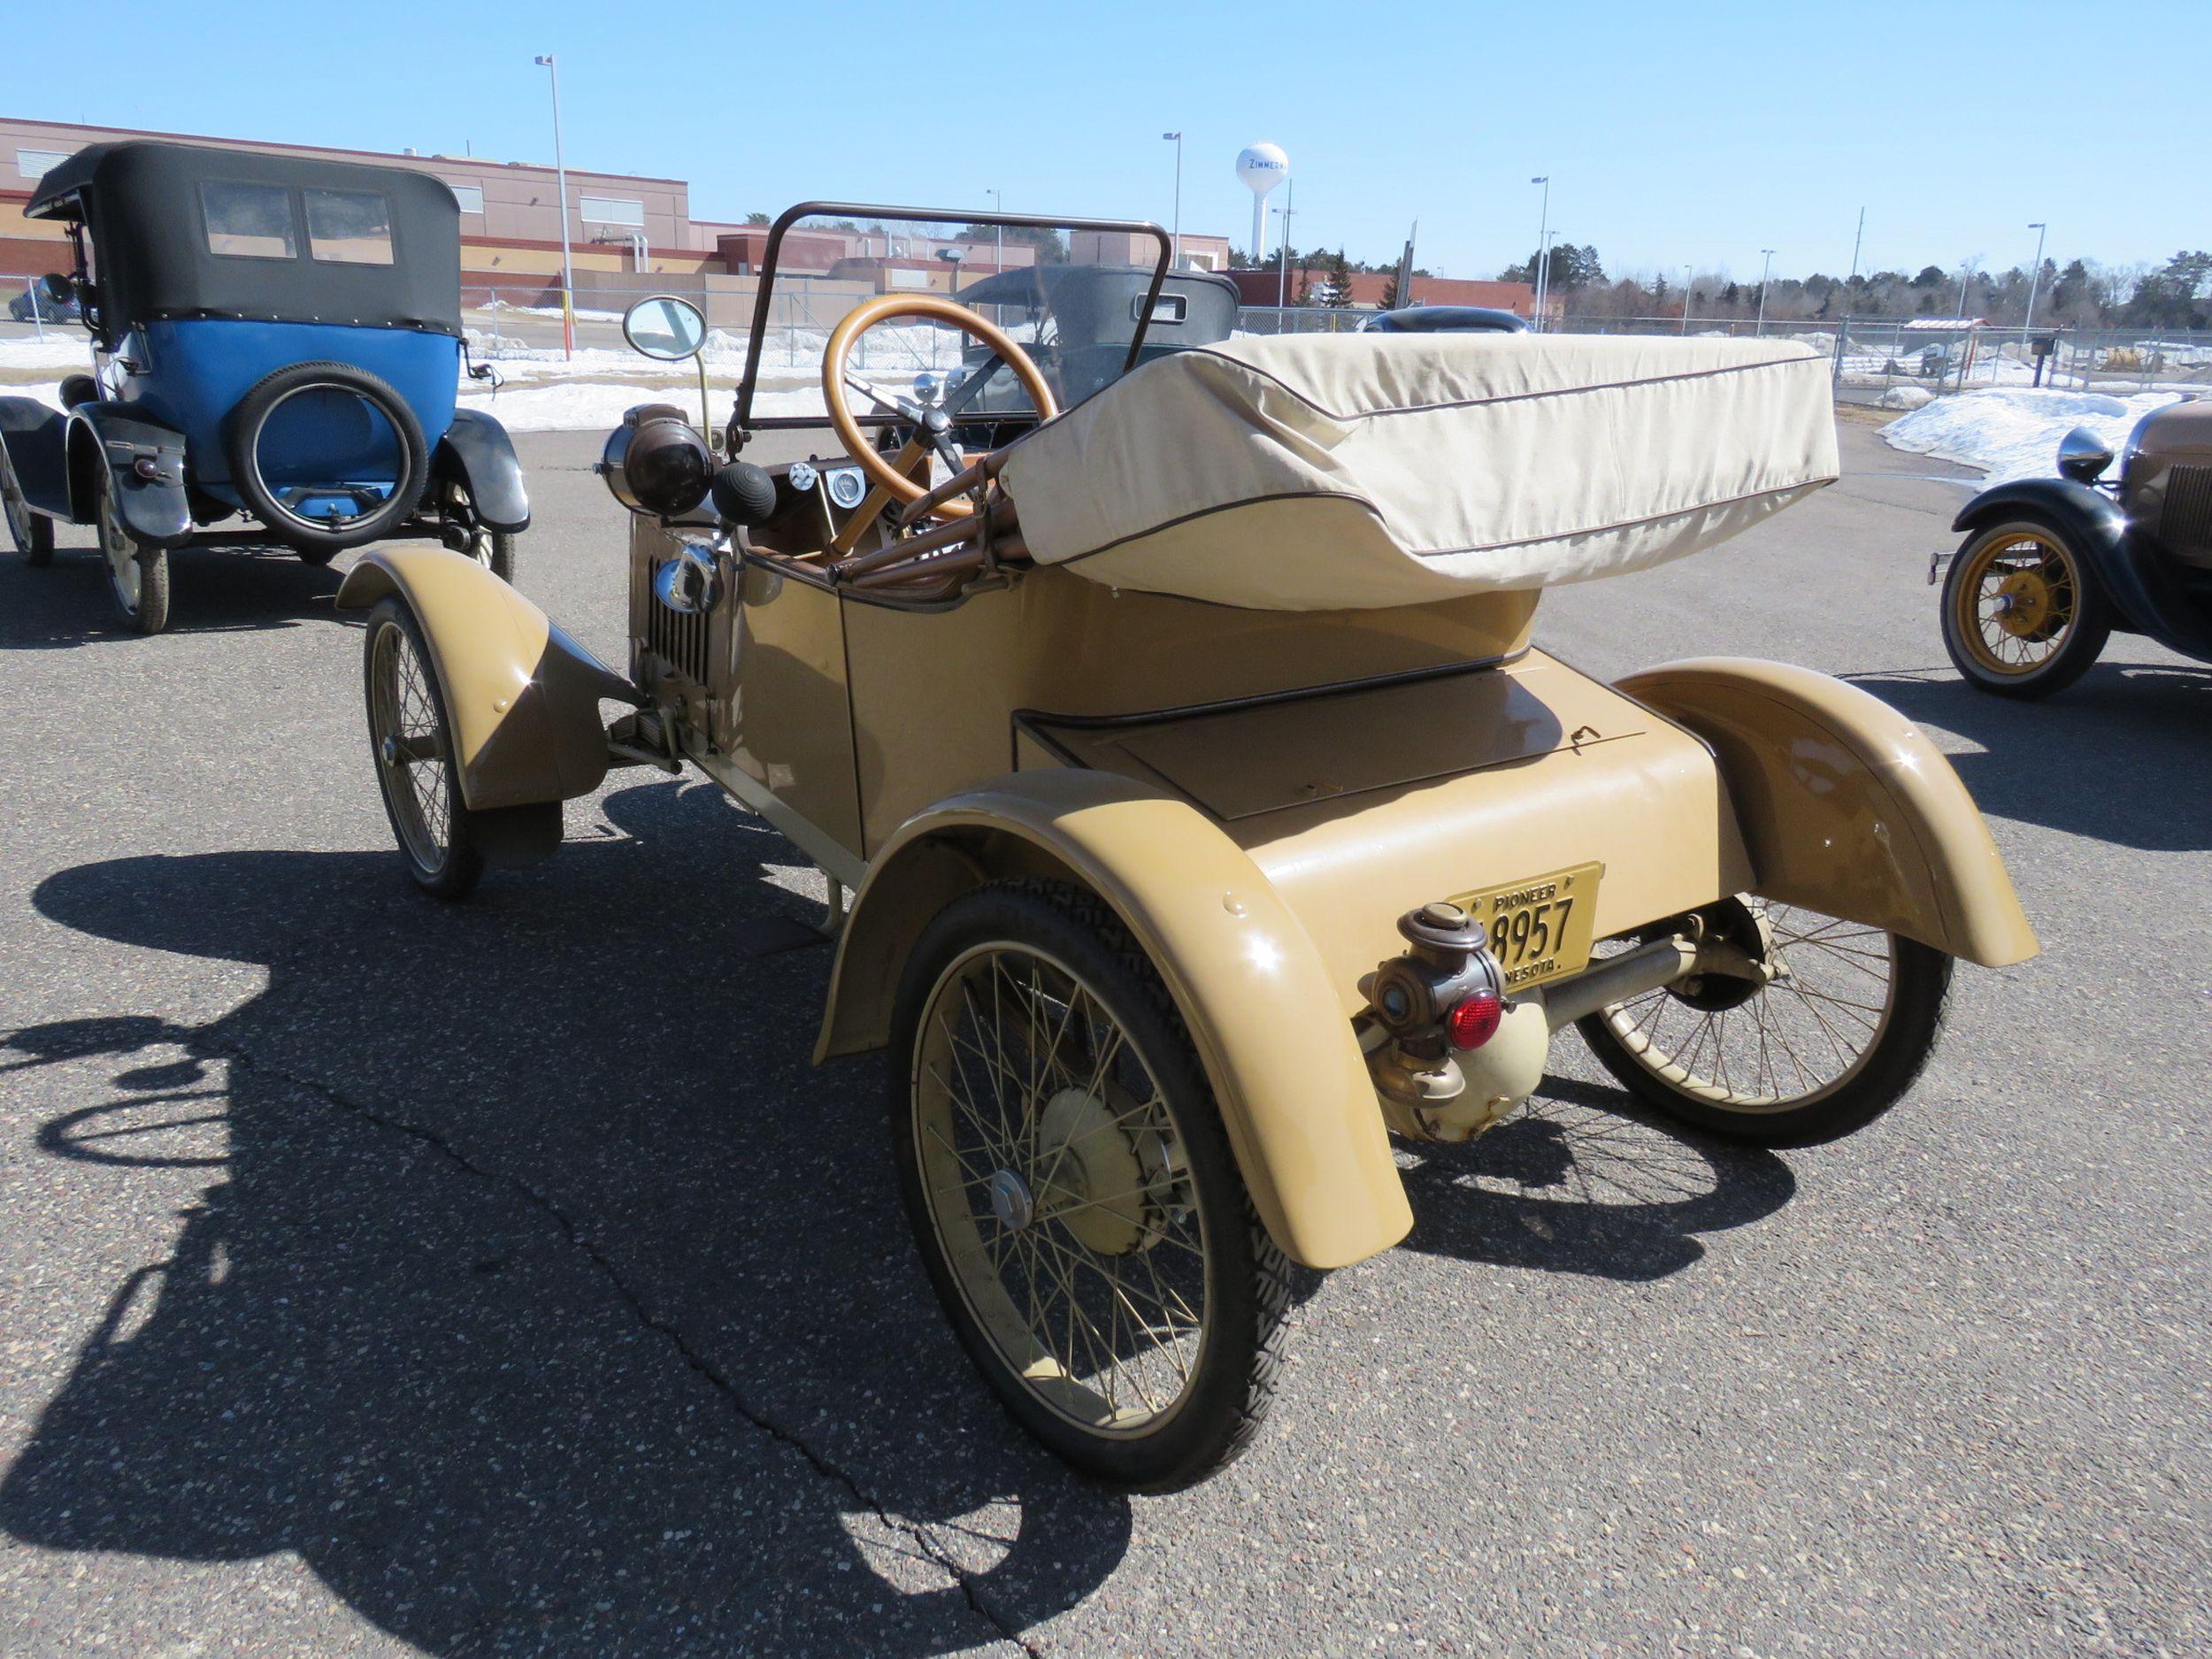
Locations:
(471, 196)
(350, 227)
(36, 163)
(249, 221)
(611, 210)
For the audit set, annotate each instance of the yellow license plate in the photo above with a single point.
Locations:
(1540, 929)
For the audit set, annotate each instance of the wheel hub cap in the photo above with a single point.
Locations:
(2023, 605)
(1010, 1200)
(1092, 1172)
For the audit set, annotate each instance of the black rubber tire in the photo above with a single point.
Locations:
(2077, 654)
(463, 866)
(1249, 1293)
(35, 540)
(151, 613)
(242, 439)
(1915, 1022)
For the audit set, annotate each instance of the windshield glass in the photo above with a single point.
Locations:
(1079, 297)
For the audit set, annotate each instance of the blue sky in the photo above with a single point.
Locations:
(1671, 133)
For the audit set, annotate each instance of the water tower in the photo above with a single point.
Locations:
(1262, 167)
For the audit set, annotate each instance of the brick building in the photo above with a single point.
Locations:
(621, 227)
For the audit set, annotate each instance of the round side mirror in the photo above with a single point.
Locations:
(664, 327)
(2083, 455)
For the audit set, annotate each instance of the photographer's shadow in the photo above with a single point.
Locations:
(1586, 1179)
(540, 1295)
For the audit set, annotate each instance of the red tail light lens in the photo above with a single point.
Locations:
(1474, 1021)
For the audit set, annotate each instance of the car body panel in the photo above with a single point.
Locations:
(1292, 1085)
(523, 698)
(119, 437)
(1844, 806)
(477, 449)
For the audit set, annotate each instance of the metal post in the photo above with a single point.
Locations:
(1688, 273)
(2035, 275)
(560, 177)
(38, 320)
(1175, 245)
(1857, 242)
(1282, 276)
(1764, 272)
(1542, 273)
(998, 206)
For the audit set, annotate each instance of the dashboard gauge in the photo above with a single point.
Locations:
(801, 477)
(847, 486)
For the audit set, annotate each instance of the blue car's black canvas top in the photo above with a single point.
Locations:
(186, 230)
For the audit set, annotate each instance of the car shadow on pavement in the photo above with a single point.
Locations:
(2119, 756)
(1584, 1179)
(215, 589)
(541, 1295)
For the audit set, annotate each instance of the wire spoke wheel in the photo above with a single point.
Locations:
(2020, 613)
(138, 576)
(1054, 1177)
(1073, 1194)
(1827, 1044)
(412, 742)
(494, 549)
(33, 533)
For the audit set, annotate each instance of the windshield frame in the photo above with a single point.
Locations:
(741, 418)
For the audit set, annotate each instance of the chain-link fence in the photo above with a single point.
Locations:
(1898, 362)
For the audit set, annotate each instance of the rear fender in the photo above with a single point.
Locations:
(523, 697)
(35, 437)
(1846, 807)
(150, 497)
(1294, 1089)
(477, 450)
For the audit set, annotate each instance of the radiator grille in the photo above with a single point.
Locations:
(677, 639)
(2185, 524)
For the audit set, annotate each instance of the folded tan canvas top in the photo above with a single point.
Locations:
(1354, 471)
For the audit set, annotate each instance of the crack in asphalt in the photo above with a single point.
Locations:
(820, 1461)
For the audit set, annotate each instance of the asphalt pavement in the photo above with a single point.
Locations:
(377, 1276)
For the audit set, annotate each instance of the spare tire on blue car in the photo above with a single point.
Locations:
(325, 407)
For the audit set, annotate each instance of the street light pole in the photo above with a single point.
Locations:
(1175, 247)
(2035, 275)
(1688, 273)
(1282, 270)
(1765, 270)
(560, 179)
(998, 206)
(1543, 250)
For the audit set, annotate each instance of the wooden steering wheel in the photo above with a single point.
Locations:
(891, 474)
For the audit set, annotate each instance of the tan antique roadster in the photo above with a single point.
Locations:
(1166, 703)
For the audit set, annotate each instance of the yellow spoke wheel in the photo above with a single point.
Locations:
(1072, 1190)
(2022, 615)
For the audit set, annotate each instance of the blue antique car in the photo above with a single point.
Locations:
(275, 336)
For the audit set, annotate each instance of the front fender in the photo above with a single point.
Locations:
(2135, 572)
(153, 505)
(477, 449)
(523, 697)
(1845, 805)
(1293, 1088)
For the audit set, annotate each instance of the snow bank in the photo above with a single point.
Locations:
(57, 350)
(2012, 433)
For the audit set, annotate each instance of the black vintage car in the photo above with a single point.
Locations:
(2052, 566)
(275, 336)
